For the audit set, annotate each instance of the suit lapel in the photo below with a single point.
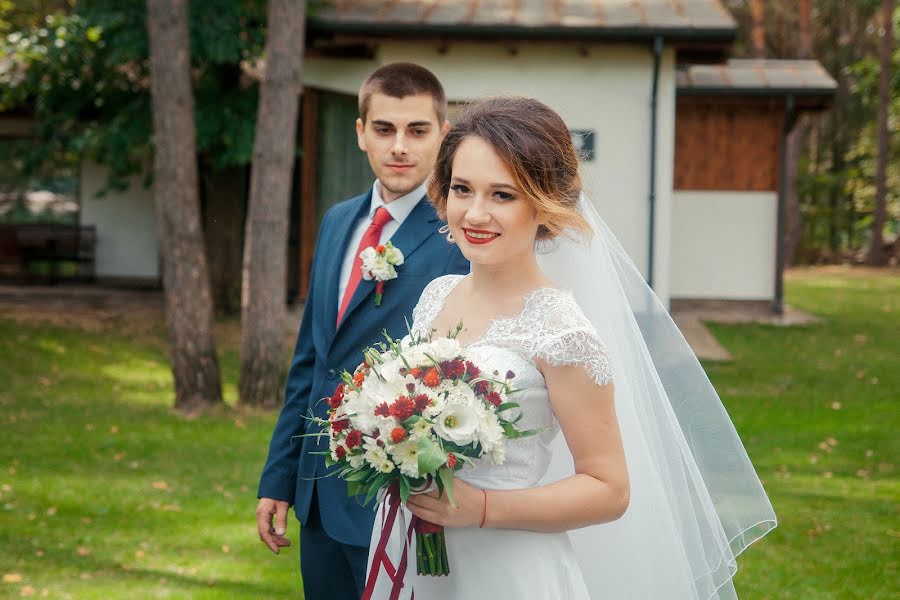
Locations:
(338, 249)
(416, 228)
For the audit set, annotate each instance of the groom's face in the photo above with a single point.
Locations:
(401, 137)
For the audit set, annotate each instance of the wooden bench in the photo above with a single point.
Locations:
(25, 248)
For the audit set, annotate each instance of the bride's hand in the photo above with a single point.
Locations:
(470, 505)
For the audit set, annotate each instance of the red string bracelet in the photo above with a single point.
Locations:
(483, 514)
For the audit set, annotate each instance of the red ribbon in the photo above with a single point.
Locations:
(380, 557)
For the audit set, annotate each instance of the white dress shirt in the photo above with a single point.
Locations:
(399, 209)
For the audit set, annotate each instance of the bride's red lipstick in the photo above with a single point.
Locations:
(492, 235)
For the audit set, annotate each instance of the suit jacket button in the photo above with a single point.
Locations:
(331, 373)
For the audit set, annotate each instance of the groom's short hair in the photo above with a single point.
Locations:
(399, 80)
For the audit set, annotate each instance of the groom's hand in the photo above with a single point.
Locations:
(272, 536)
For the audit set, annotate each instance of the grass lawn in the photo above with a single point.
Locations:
(106, 493)
(817, 408)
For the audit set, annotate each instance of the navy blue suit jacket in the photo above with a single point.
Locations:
(324, 349)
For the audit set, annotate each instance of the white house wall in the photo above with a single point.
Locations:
(126, 226)
(607, 90)
(723, 245)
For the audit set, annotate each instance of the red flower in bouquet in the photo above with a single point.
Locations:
(432, 377)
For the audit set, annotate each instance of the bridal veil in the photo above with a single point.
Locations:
(696, 501)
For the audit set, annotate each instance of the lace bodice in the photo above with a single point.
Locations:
(551, 327)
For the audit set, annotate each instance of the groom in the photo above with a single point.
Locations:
(402, 120)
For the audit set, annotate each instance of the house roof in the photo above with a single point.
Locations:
(684, 20)
(753, 77)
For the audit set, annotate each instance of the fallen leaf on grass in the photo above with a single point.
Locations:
(27, 591)
(835, 406)
(226, 549)
(83, 551)
(51, 511)
(160, 485)
(11, 578)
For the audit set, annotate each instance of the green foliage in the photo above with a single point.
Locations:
(85, 74)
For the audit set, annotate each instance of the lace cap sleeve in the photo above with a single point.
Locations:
(569, 338)
(432, 300)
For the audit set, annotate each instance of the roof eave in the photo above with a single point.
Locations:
(718, 35)
(762, 91)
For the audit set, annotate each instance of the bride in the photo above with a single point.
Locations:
(648, 492)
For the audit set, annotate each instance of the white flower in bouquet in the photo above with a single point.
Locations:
(406, 454)
(457, 423)
(378, 458)
(490, 433)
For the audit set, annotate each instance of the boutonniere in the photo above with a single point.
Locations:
(379, 263)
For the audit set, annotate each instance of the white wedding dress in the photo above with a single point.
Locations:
(504, 563)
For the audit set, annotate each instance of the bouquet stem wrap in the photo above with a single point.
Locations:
(390, 557)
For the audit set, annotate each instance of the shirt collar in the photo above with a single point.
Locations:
(400, 208)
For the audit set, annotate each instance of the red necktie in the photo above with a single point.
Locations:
(370, 238)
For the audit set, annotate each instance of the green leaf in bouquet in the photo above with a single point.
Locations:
(445, 475)
(377, 484)
(355, 488)
(411, 421)
(430, 455)
(404, 488)
(360, 475)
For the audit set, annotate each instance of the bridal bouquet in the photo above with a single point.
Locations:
(409, 417)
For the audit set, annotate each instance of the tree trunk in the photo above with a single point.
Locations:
(876, 251)
(265, 241)
(224, 229)
(758, 32)
(805, 45)
(794, 216)
(793, 226)
(189, 315)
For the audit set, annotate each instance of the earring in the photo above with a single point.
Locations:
(445, 230)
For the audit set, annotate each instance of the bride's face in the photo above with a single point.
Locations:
(490, 217)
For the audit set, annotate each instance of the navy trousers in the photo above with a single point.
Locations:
(330, 570)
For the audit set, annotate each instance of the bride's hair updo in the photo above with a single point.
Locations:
(534, 143)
